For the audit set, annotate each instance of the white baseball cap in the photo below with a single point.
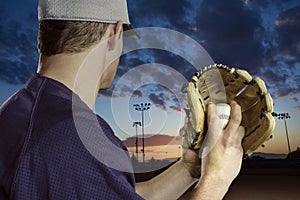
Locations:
(107, 11)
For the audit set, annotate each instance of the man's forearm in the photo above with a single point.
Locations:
(170, 184)
(208, 189)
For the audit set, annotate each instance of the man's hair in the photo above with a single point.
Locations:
(58, 36)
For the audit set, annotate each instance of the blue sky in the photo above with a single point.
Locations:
(260, 36)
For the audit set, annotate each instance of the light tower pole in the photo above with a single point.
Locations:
(142, 107)
(136, 124)
(284, 116)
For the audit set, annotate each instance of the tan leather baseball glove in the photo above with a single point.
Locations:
(218, 83)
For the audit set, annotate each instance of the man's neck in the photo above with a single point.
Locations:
(80, 72)
(60, 67)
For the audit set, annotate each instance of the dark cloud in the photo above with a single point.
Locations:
(257, 3)
(107, 93)
(283, 59)
(160, 96)
(158, 100)
(161, 79)
(228, 29)
(250, 36)
(295, 99)
(178, 109)
(288, 30)
(137, 93)
(171, 14)
(176, 62)
(18, 53)
(281, 81)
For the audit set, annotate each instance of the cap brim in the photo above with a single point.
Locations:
(129, 31)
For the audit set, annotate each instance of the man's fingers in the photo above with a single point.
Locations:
(235, 117)
(240, 134)
(212, 115)
(213, 119)
(214, 128)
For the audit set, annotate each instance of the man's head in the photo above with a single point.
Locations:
(61, 36)
(72, 26)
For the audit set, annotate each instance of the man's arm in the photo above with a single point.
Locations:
(170, 184)
(221, 162)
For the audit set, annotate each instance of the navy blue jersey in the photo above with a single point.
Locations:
(52, 146)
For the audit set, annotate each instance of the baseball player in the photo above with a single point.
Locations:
(52, 144)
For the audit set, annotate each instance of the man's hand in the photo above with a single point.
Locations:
(222, 148)
(222, 154)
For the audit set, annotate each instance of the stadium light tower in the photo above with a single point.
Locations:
(136, 124)
(142, 107)
(284, 116)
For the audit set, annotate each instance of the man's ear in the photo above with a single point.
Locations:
(116, 35)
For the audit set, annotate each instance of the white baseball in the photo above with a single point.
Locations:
(223, 110)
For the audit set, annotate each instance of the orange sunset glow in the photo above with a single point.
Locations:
(157, 147)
